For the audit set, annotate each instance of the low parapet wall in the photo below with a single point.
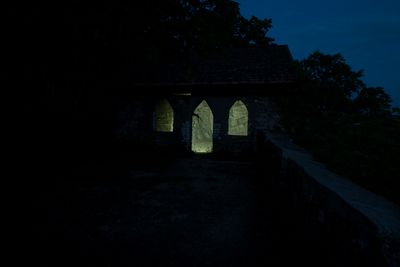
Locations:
(352, 225)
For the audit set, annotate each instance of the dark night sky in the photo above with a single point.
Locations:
(365, 32)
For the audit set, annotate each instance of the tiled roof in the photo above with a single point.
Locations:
(252, 65)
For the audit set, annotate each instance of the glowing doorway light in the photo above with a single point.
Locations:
(238, 119)
(164, 117)
(202, 129)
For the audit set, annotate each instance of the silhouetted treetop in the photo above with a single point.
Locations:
(332, 78)
(100, 38)
(373, 101)
(345, 124)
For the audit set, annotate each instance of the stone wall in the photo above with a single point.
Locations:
(135, 121)
(346, 224)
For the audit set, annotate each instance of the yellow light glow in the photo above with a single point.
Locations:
(164, 117)
(238, 119)
(202, 129)
(183, 94)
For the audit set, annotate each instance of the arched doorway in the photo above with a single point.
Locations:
(164, 117)
(202, 129)
(238, 119)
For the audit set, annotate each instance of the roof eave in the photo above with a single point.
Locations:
(196, 84)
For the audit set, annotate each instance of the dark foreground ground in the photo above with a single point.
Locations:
(190, 212)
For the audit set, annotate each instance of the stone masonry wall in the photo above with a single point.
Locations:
(136, 121)
(349, 225)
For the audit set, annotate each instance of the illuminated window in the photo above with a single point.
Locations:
(164, 117)
(202, 129)
(238, 119)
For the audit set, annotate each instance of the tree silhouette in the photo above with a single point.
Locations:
(373, 101)
(332, 80)
(344, 123)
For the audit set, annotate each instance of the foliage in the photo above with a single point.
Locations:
(118, 32)
(346, 124)
(373, 101)
(332, 80)
(75, 45)
(253, 31)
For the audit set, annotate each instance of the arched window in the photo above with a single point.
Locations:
(238, 119)
(202, 128)
(164, 117)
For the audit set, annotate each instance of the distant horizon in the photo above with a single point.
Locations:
(365, 33)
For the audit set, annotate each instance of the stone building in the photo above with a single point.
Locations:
(221, 103)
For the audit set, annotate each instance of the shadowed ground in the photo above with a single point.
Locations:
(194, 212)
